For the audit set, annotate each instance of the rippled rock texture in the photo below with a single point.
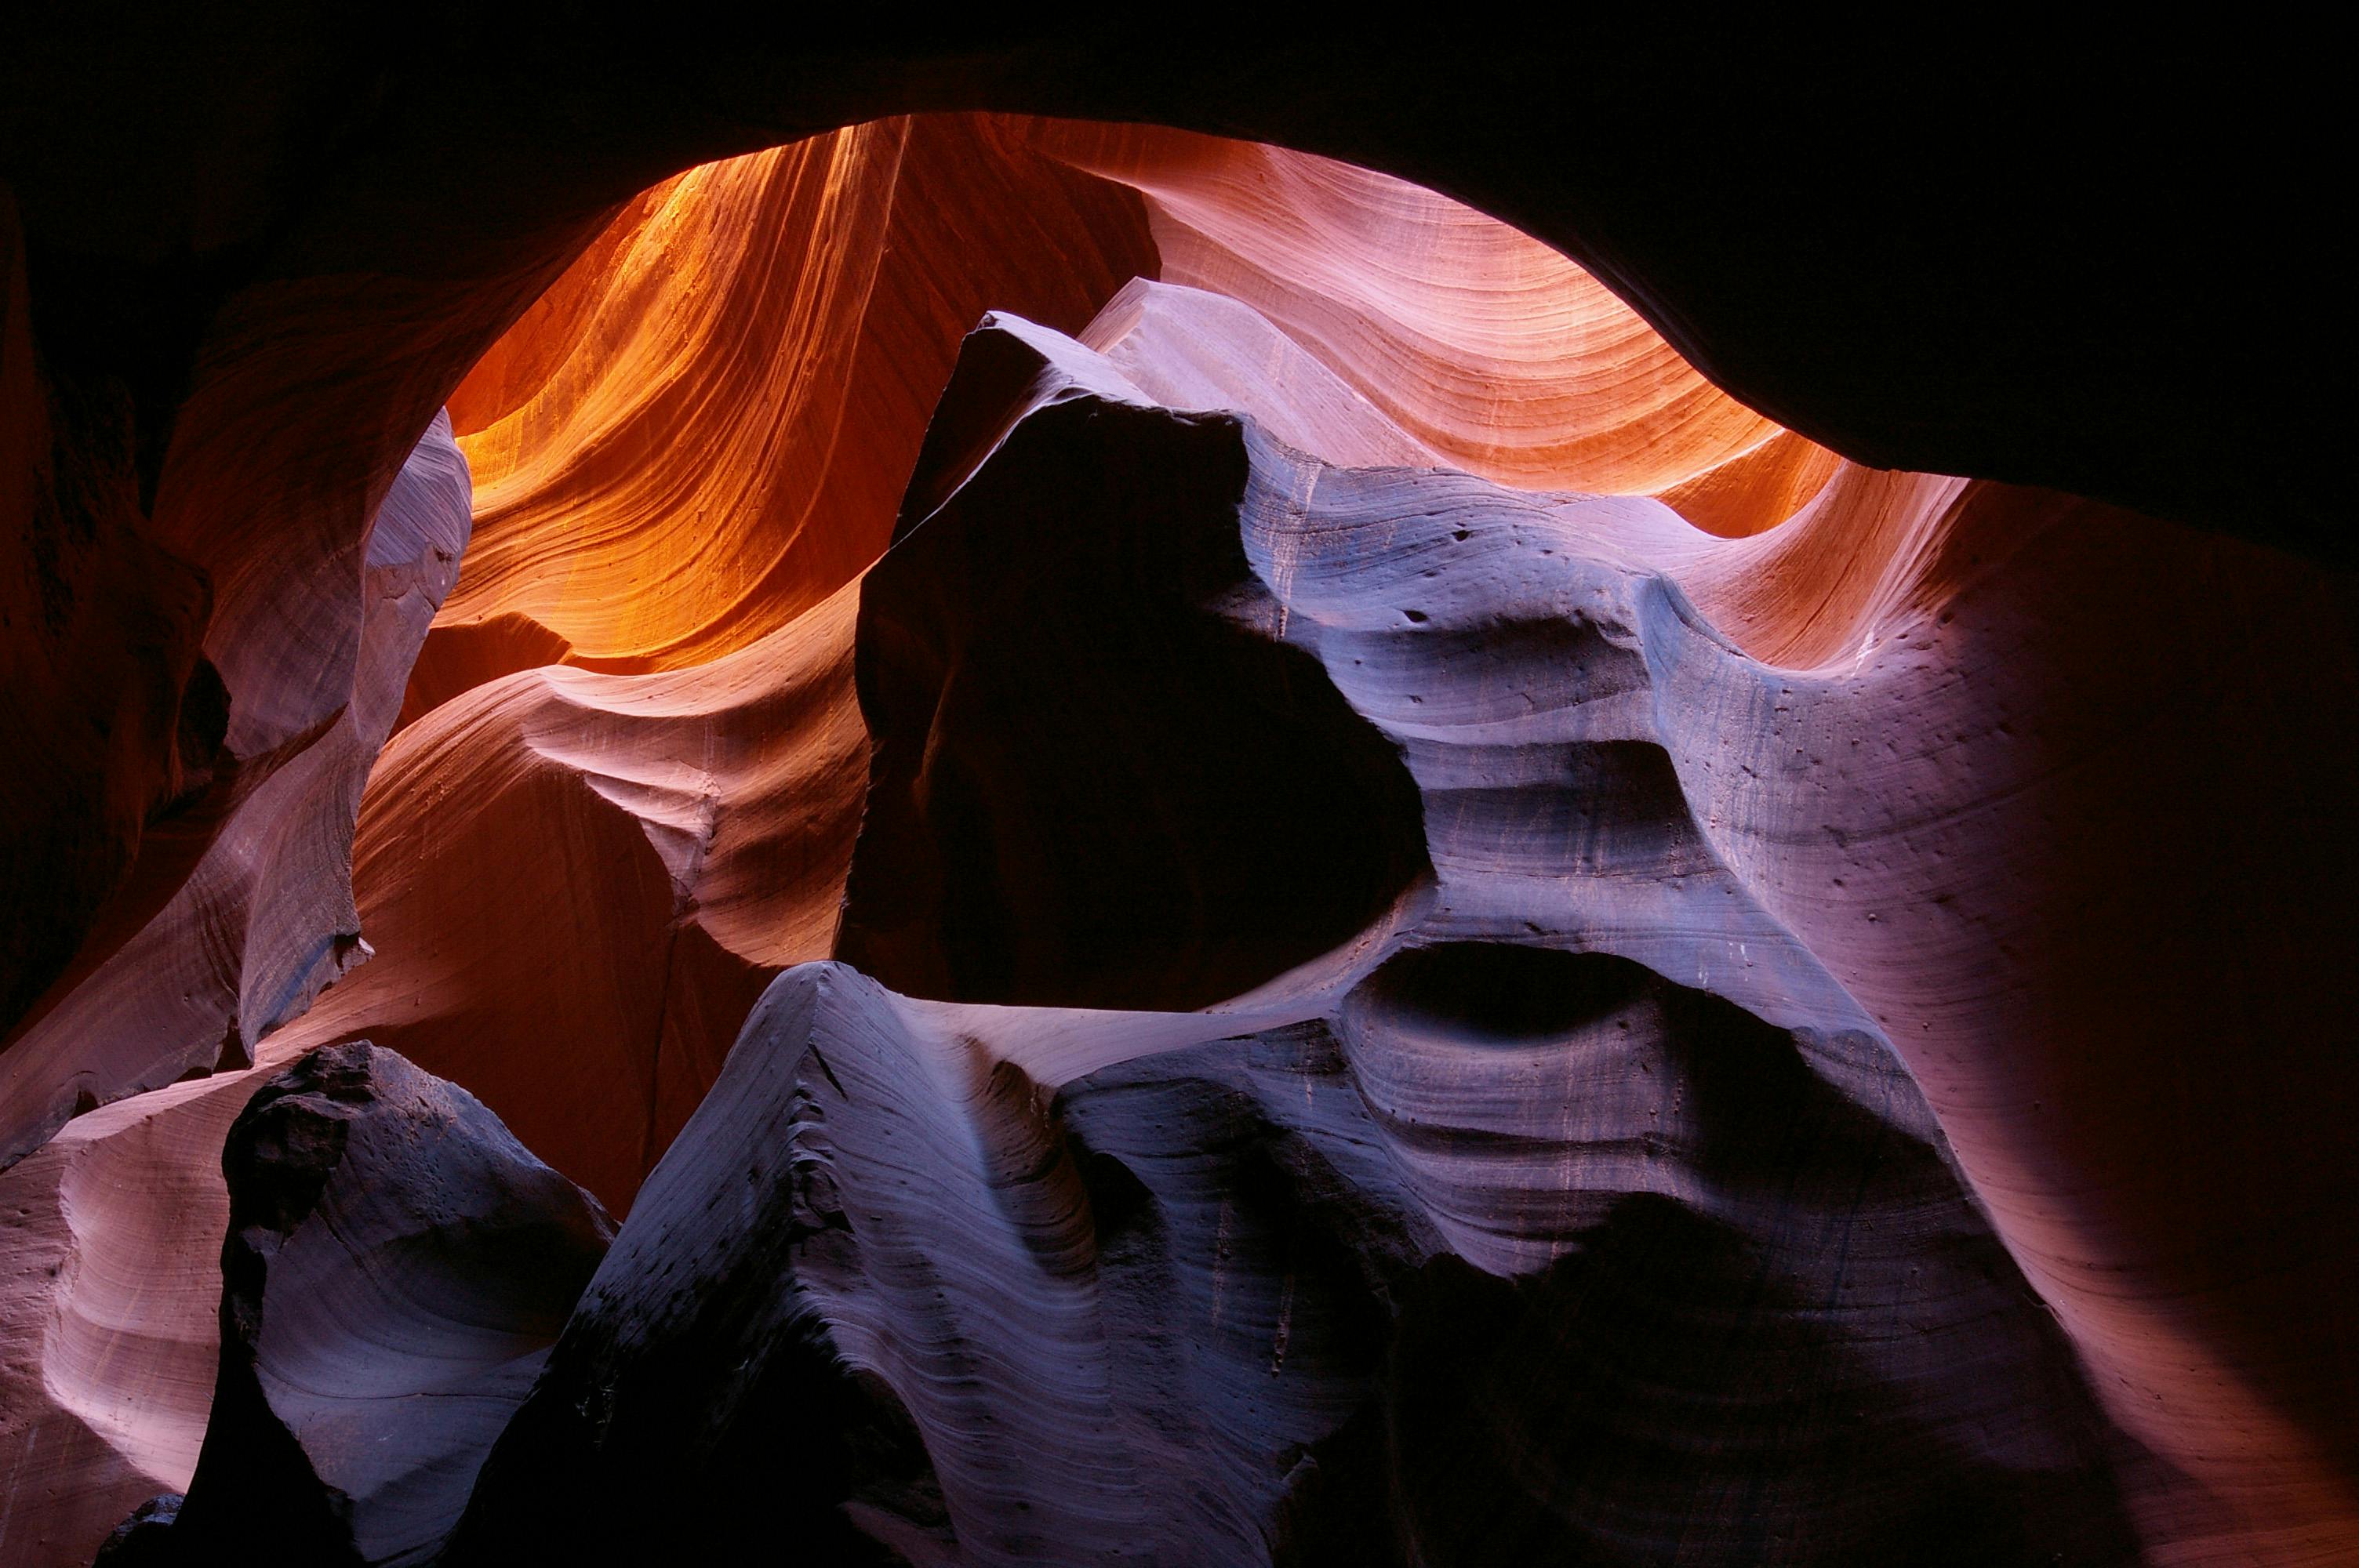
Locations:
(1388, 928)
(1410, 1280)
(254, 876)
(396, 1270)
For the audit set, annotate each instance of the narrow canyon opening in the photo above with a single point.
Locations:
(690, 450)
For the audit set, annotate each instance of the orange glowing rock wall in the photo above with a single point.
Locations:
(702, 429)
(683, 454)
(1490, 350)
(616, 861)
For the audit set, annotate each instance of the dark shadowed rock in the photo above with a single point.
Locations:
(1095, 782)
(397, 1268)
(696, 1408)
(144, 1540)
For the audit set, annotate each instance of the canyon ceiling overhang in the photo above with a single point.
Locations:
(256, 246)
(2076, 260)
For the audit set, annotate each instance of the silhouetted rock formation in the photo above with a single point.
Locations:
(397, 1268)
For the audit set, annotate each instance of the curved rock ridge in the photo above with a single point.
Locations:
(241, 907)
(1602, 769)
(240, 295)
(396, 1270)
(109, 1314)
(1490, 351)
(1001, 1285)
(2053, 896)
(617, 862)
(703, 428)
(1855, 550)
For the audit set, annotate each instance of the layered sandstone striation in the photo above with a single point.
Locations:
(110, 1313)
(617, 862)
(395, 1269)
(703, 428)
(1448, 944)
(1011, 1285)
(241, 907)
(1490, 351)
(1240, 1243)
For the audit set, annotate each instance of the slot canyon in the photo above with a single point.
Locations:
(955, 794)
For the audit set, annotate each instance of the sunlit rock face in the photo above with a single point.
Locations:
(702, 429)
(1490, 351)
(1389, 928)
